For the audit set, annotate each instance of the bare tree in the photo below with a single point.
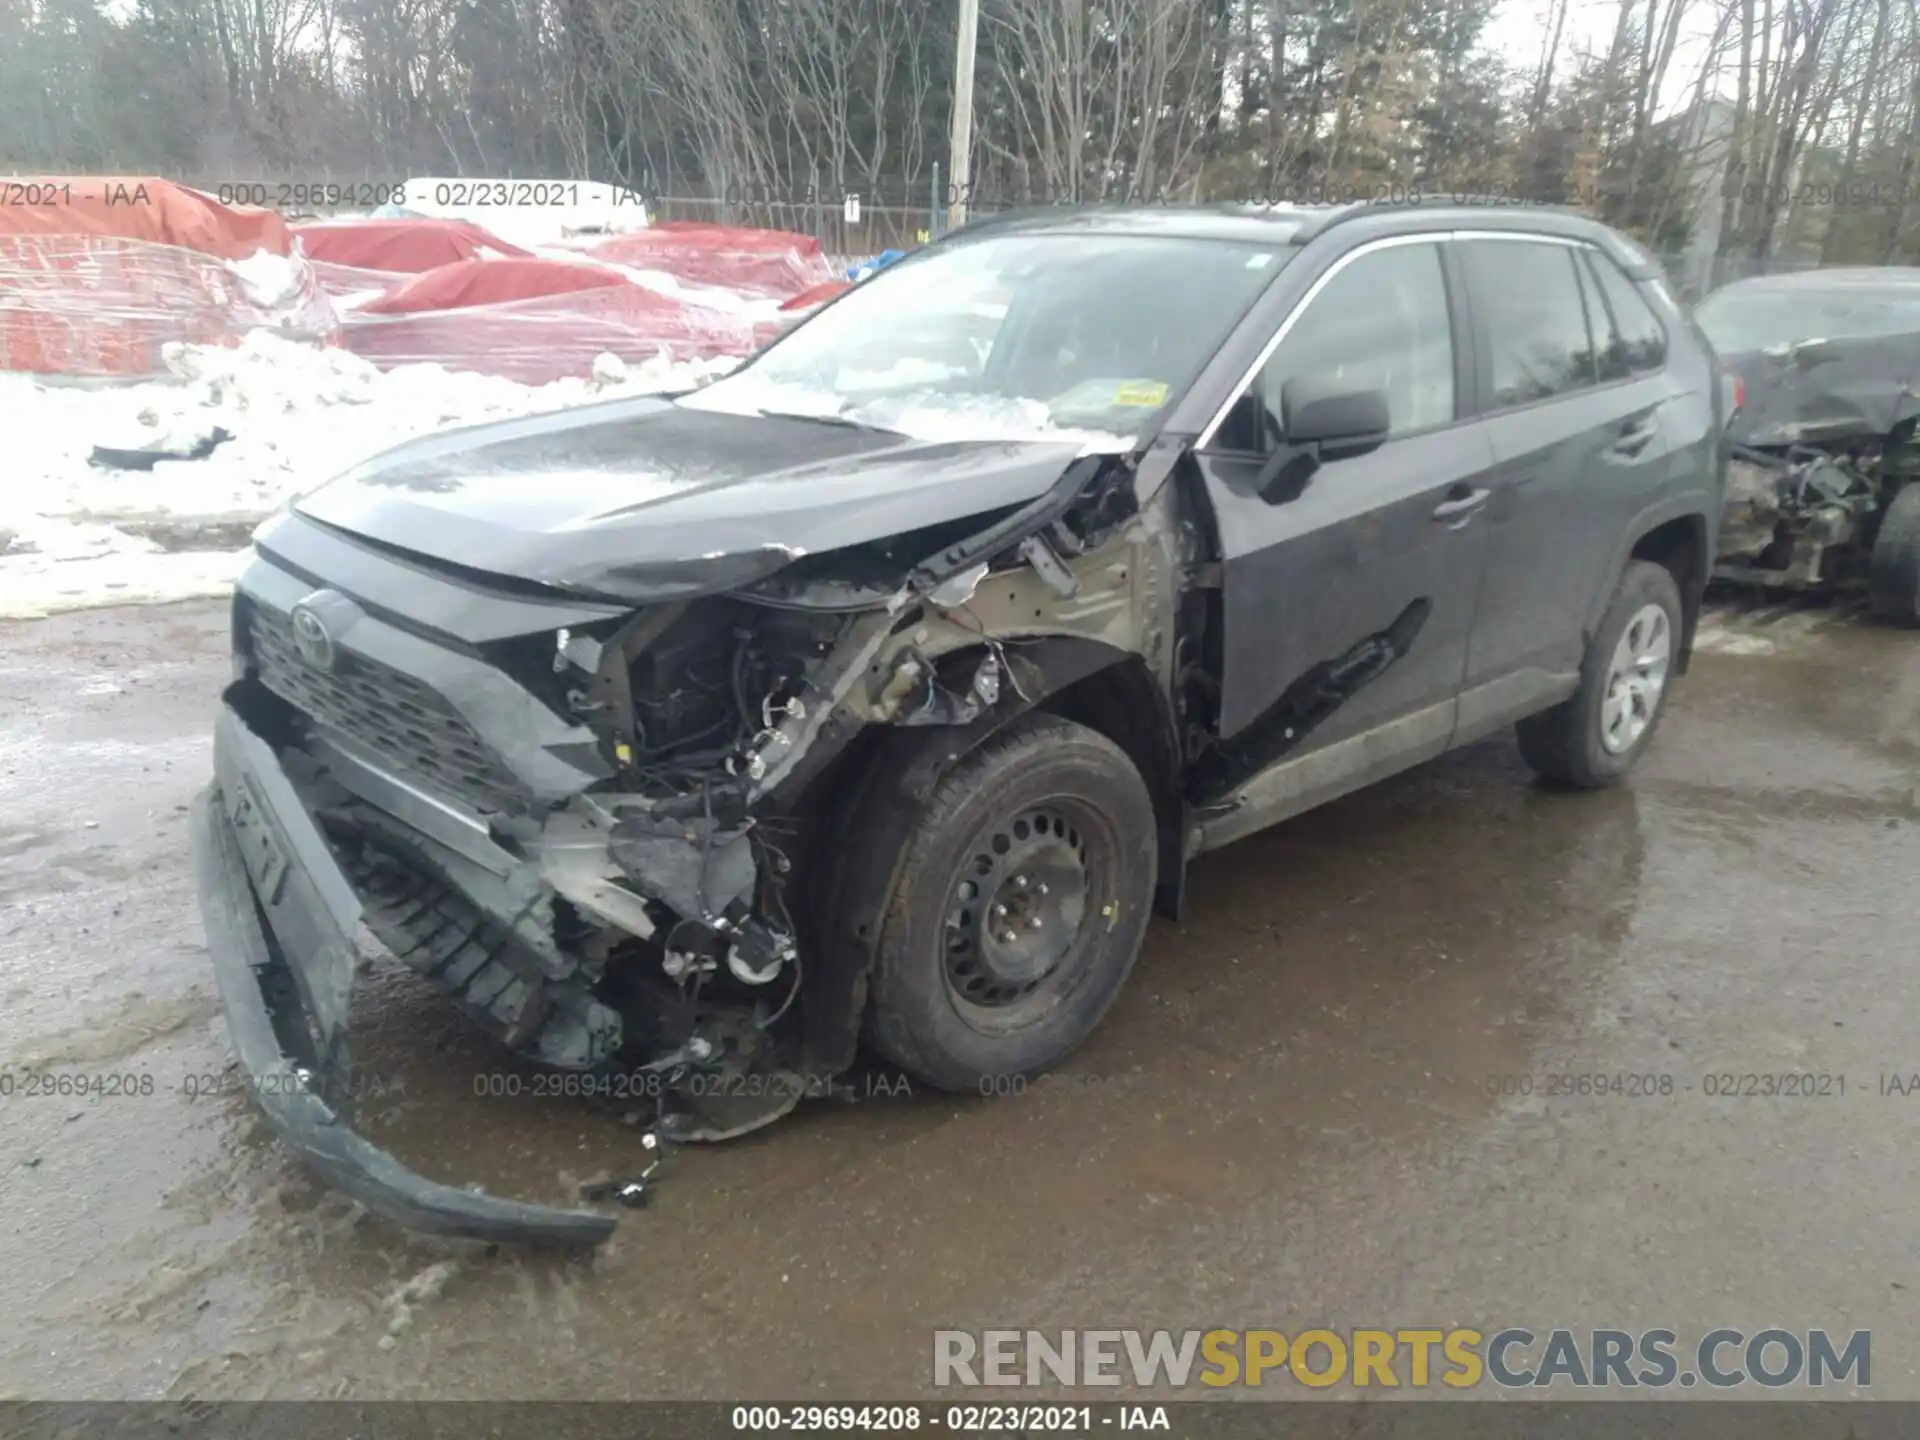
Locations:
(796, 100)
(1092, 94)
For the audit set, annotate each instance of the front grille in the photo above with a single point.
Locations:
(393, 714)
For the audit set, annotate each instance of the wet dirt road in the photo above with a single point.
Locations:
(1286, 1119)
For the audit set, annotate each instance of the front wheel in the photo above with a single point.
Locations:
(1893, 572)
(1593, 738)
(1020, 907)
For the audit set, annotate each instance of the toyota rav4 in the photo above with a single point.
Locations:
(883, 688)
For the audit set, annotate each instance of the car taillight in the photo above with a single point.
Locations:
(1739, 394)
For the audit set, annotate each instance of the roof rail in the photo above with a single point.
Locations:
(981, 220)
(1442, 200)
(1278, 211)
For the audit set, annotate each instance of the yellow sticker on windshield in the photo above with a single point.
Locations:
(1145, 394)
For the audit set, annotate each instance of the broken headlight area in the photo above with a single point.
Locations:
(671, 882)
(639, 927)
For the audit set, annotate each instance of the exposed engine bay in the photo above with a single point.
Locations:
(1806, 516)
(623, 879)
(1822, 446)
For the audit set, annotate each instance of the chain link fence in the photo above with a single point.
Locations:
(849, 234)
(877, 228)
(1693, 274)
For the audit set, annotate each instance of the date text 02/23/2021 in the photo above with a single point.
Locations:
(962, 1420)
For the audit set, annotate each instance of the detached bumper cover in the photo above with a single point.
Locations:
(282, 921)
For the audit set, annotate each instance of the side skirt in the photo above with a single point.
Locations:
(1297, 784)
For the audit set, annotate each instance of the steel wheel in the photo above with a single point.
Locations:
(1636, 678)
(1015, 931)
(977, 977)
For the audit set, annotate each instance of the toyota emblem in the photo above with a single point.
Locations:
(310, 637)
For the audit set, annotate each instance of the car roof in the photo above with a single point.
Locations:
(1902, 279)
(1299, 224)
(1255, 224)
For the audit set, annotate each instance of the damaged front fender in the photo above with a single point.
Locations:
(690, 908)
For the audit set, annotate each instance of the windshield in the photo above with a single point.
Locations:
(1012, 337)
(1736, 321)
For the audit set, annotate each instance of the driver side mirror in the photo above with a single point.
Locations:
(1335, 421)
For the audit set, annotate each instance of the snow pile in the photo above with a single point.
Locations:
(73, 534)
(272, 283)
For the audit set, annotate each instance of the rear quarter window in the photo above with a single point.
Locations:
(1639, 339)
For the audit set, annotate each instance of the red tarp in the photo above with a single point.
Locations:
(814, 296)
(535, 321)
(139, 208)
(352, 257)
(762, 262)
(490, 282)
(344, 281)
(97, 273)
(405, 246)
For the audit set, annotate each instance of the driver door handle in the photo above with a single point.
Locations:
(1635, 436)
(1460, 505)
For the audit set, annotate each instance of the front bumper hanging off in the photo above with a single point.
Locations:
(284, 928)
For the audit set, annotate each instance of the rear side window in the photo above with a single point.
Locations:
(1639, 339)
(1533, 320)
(1606, 340)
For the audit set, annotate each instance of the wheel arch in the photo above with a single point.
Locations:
(1122, 701)
(1677, 535)
(881, 781)
(1679, 546)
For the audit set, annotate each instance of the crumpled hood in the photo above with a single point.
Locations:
(1827, 391)
(646, 499)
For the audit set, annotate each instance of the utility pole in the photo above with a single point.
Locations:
(961, 158)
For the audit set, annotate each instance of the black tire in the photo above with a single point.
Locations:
(1569, 743)
(1030, 804)
(1893, 574)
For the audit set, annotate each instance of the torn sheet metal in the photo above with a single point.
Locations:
(1823, 391)
(691, 864)
(916, 695)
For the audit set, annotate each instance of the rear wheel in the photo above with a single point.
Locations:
(1893, 574)
(1021, 905)
(1594, 737)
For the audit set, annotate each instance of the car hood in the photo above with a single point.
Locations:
(1826, 391)
(646, 499)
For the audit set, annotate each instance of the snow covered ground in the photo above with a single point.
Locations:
(75, 535)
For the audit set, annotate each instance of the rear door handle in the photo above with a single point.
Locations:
(1459, 507)
(1635, 436)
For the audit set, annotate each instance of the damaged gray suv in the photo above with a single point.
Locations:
(882, 689)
